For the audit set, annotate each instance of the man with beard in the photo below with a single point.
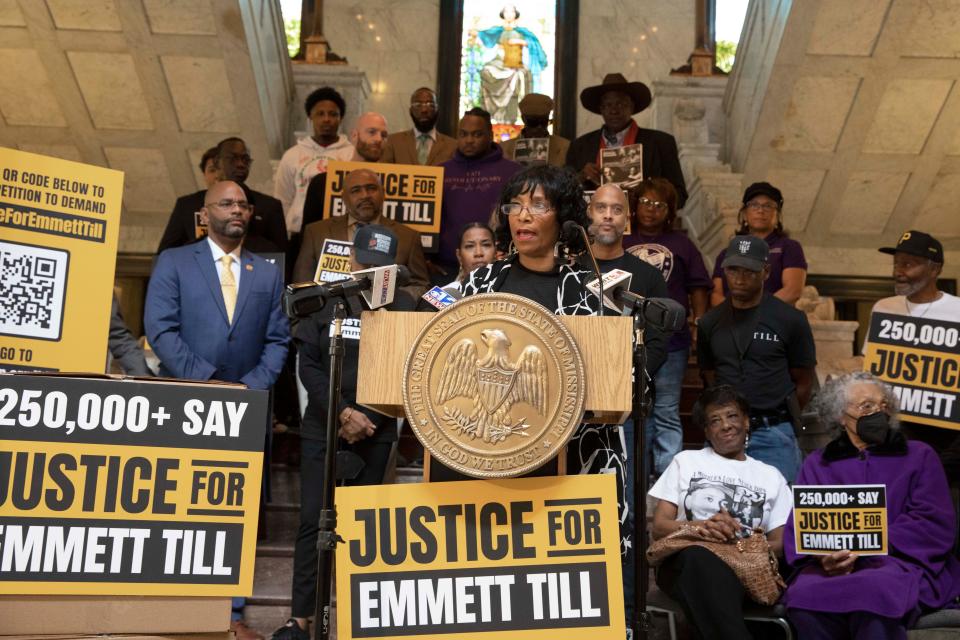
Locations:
(535, 111)
(423, 144)
(616, 101)
(213, 310)
(608, 211)
(762, 347)
(917, 263)
(369, 137)
(267, 232)
(472, 180)
(363, 200)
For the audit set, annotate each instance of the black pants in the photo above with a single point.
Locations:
(375, 455)
(709, 592)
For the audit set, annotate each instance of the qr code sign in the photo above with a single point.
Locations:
(33, 284)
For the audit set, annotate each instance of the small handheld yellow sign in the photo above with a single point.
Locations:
(831, 518)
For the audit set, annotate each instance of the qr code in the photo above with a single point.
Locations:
(33, 285)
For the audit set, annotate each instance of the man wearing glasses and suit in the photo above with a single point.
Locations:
(213, 309)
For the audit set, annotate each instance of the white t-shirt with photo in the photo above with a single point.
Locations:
(701, 481)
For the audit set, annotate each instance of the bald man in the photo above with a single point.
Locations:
(369, 137)
(363, 200)
(609, 212)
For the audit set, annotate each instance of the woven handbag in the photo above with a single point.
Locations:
(750, 558)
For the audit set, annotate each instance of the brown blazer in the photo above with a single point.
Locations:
(409, 250)
(401, 148)
(557, 155)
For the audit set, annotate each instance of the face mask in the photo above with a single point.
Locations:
(873, 429)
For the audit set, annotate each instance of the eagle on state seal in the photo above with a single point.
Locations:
(494, 384)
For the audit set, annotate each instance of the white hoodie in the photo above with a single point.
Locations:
(299, 164)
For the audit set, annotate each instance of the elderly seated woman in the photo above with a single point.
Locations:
(728, 494)
(843, 595)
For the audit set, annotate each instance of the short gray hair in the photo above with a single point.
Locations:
(832, 399)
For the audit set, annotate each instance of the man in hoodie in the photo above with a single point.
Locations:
(325, 108)
(472, 180)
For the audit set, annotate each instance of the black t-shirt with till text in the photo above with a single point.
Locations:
(754, 349)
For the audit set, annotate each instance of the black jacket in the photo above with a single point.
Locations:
(313, 345)
(267, 232)
(660, 157)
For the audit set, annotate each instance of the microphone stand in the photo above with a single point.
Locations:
(327, 537)
(641, 406)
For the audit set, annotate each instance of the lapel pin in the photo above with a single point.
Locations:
(249, 267)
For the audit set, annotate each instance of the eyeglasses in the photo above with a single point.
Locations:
(652, 204)
(243, 205)
(603, 207)
(421, 105)
(869, 407)
(536, 209)
(766, 207)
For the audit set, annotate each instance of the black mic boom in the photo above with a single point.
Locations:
(302, 299)
(665, 314)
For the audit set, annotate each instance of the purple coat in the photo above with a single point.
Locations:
(921, 568)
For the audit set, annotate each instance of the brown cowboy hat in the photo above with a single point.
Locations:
(638, 92)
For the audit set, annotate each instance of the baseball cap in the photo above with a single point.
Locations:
(917, 243)
(763, 189)
(748, 252)
(375, 245)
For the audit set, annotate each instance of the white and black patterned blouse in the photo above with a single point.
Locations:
(572, 298)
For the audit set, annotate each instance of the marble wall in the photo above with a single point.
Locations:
(642, 39)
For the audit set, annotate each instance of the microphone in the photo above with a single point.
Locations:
(441, 298)
(572, 231)
(613, 280)
(376, 285)
(665, 314)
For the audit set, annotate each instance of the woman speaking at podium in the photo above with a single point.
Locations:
(533, 208)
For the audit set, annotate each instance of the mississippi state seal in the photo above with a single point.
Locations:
(494, 386)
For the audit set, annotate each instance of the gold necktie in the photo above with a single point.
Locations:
(228, 285)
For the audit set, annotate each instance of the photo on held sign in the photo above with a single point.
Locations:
(622, 165)
(532, 152)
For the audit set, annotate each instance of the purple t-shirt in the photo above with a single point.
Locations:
(785, 253)
(681, 264)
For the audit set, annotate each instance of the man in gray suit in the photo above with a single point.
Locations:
(423, 144)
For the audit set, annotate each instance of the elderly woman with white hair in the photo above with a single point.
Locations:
(843, 595)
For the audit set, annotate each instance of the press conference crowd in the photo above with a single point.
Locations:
(213, 312)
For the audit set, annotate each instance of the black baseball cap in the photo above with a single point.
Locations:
(375, 245)
(748, 252)
(917, 243)
(763, 189)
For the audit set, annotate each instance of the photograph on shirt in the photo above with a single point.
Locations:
(706, 495)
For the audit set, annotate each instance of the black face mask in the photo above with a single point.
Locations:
(873, 429)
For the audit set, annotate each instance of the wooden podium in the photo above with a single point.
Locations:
(605, 345)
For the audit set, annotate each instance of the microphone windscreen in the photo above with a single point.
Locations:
(573, 236)
(674, 315)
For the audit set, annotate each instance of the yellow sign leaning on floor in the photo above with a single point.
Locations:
(481, 560)
(59, 224)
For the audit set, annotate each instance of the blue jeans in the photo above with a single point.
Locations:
(776, 445)
(664, 433)
(237, 604)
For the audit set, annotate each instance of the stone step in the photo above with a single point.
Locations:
(271, 585)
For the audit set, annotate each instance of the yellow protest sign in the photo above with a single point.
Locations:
(128, 487)
(412, 194)
(831, 518)
(920, 359)
(59, 223)
(334, 262)
(491, 559)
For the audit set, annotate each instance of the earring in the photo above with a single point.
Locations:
(746, 441)
(511, 249)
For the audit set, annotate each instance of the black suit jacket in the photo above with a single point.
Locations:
(660, 157)
(267, 232)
